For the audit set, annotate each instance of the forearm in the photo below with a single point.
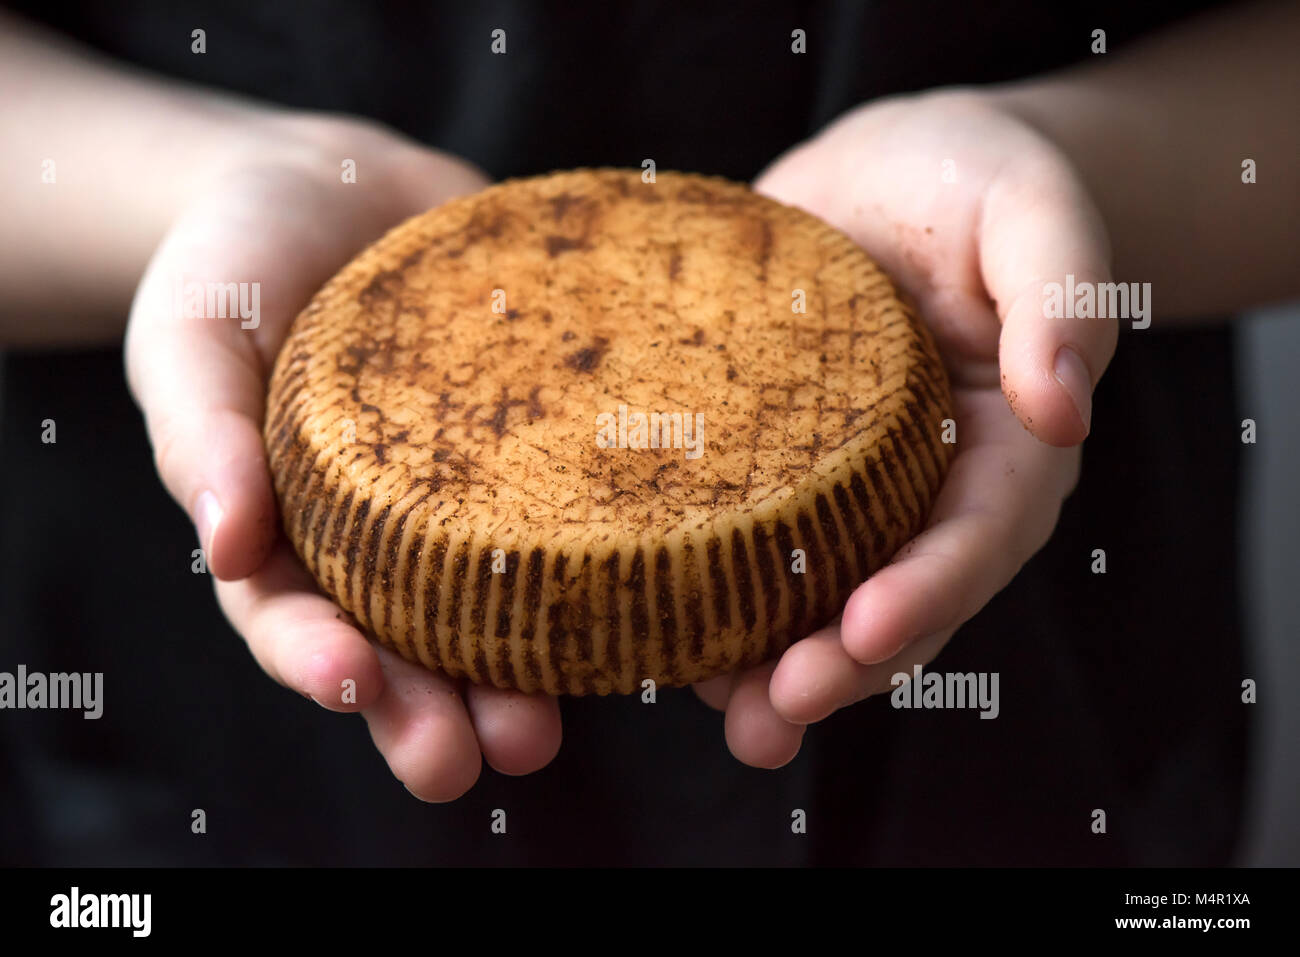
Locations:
(96, 162)
(1159, 134)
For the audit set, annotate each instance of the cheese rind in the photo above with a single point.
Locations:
(459, 428)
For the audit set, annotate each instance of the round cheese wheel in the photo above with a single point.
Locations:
(579, 431)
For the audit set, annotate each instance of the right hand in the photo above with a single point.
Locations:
(289, 222)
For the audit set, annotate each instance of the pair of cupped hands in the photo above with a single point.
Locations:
(969, 209)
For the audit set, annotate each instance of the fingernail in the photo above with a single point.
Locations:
(207, 516)
(1072, 372)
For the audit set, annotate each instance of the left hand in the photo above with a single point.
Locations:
(971, 212)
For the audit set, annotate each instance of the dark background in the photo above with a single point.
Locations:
(1118, 691)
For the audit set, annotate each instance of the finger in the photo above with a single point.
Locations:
(816, 677)
(714, 692)
(421, 727)
(998, 505)
(755, 733)
(517, 733)
(299, 637)
(1037, 230)
(208, 446)
(201, 388)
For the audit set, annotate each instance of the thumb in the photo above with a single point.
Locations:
(199, 383)
(200, 379)
(1038, 228)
